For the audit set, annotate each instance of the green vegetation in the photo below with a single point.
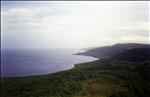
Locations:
(111, 51)
(101, 88)
(101, 78)
(126, 74)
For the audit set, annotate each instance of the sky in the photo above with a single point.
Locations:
(73, 24)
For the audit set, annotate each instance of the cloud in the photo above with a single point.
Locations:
(133, 38)
(72, 24)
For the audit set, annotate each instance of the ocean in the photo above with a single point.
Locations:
(28, 62)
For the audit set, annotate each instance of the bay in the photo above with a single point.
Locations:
(28, 62)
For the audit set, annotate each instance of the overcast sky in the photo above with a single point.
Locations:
(73, 24)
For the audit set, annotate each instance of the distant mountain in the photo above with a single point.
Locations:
(111, 51)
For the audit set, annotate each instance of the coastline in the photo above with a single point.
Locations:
(75, 81)
(38, 75)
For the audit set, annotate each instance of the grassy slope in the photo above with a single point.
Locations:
(101, 78)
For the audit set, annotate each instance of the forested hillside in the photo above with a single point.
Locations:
(111, 51)
(109, 77)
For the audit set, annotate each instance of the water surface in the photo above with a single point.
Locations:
(39, 61)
